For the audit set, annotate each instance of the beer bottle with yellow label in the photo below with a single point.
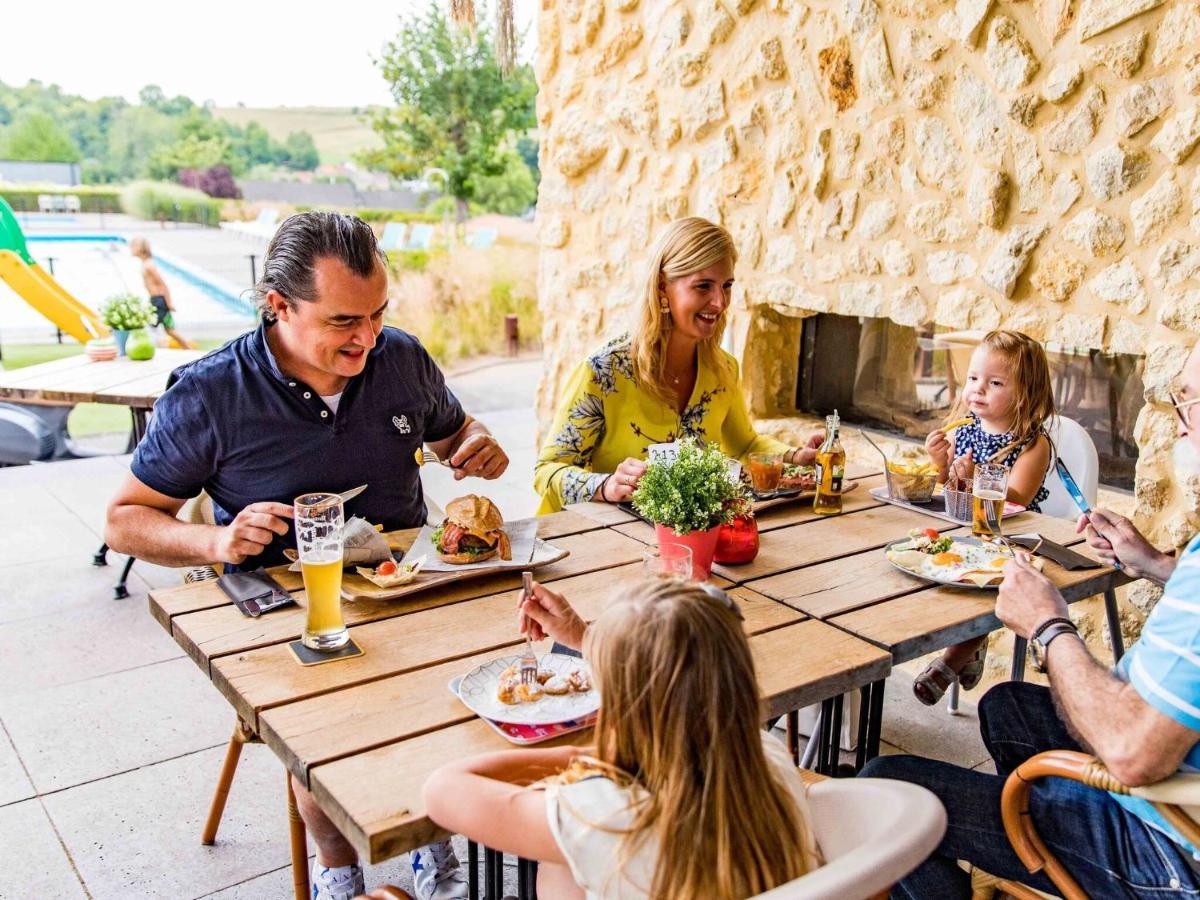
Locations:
(831, 466)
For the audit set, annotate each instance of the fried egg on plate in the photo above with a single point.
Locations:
(964, 562)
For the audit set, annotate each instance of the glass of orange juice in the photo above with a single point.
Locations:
(319, 528)
(766, 471)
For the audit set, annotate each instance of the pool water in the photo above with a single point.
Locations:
(95, 268)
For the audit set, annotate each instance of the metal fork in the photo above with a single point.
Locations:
(529, 663)
(425, 457)
(993, 516)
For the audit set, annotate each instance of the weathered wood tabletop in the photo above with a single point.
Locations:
(364, 733)
(76, 379)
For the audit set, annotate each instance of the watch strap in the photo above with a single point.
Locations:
(1056, 620)
(1054, 631)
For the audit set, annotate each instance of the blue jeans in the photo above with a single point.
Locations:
(1109, 851)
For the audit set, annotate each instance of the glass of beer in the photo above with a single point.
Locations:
(319, 545)
(989, 491)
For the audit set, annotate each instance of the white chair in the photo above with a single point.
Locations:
(1078, 452)
(393, 236)
(872, 832)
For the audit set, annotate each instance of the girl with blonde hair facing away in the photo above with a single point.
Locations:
(682, 796)
(1008, 397)
(668, 379)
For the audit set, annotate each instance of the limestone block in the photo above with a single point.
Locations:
(964, 308)
(637, 113)
(1174, 263)
(888, 136)
(1144, 596)
(861, 261)
(897, 260)
(949, 266)
(1178, 30)
(1153, 211)
(626, 5)
(908, 307)
(877, 218)
(964, 22)
(1054, 18)
(742, 7)
(936, 221)
(1096, 232)
(705, 109)
(1164, 362)
(938, 156)
(1030, 320)
(845, 145)
(828, 268)
(1027, 170)
(987, 196)
(672, 130)
(1006, 263)
(671, 206)
(1074, 130)
(554, 231)
(1156, 427)
(861, 298)
(1079, 330)
(1098, 16)
(674, 28)
(878, 82)
(1114, 170)
(1126, 336)
(781, 254)
(747, 237)
(688, 67)
(979, 115)
(1190, 79)
(818, 162)
(786, 148)
(1123, 57)
(770, 60)
(876, 175)
(717, 154)
(782, 202)
(616, 50)
(837, 74)
(1121, 283)
(577, 143)
(1195, 192)
(1009, 58)
(1062, 81)
(861, 18)
(1179, 135)
(1057, 275)
(787, 294)
(1023, 108)
(714, 23)
(918, 44)
(1142, 104)
(1064, 192)
(837, 215)
(1181, 311)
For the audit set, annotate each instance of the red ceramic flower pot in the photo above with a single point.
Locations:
(702, 544)
(737, 542)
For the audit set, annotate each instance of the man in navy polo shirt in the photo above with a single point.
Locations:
(321, 397)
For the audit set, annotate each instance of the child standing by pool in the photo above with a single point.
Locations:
(680, 795)
(160, 294)
(1008, 397)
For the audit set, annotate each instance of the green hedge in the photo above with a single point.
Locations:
(369, 214)
(24, 197)
(155, 200)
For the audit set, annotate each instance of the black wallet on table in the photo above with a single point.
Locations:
(254, 593)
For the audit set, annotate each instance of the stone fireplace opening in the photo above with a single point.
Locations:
(905, 380)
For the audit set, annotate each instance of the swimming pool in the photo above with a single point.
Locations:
(93, 267)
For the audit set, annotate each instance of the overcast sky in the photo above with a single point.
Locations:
(258, 52)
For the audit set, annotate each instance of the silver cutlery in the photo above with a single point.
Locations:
(349, 495)
(529, 663)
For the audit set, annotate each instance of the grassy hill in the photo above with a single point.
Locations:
(337, 131)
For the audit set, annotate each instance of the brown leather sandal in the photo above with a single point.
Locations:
(931, 685)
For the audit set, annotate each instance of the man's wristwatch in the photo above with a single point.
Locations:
(1039, 641)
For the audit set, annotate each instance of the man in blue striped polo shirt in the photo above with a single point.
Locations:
(1142, 719)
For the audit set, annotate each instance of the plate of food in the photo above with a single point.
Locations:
(958, 561)
(563, 692)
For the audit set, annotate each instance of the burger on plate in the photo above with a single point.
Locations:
(472, 532)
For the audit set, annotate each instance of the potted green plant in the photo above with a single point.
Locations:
(124, 313)
(689, 498)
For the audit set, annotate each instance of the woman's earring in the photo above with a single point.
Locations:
(663, 306)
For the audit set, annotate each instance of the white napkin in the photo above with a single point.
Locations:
(521, 535)
(361, 544)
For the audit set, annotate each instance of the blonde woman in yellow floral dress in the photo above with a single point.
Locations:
(669, 379)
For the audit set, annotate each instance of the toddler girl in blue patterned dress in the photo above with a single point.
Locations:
(1008, 397)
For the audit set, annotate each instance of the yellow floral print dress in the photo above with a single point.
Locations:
(605, 418)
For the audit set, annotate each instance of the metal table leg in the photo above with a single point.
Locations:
(101, 557)
(493, 870)
(472, 870)
(526, 879)
(808, 758)
(835, 736)
(1114, 624)
(875, 723)
(793, 735)
(1020, 648)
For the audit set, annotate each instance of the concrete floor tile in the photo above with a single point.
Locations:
(38, 589)
(138, 834)
(14, 783)
(36, 526)
(83, 641)
(35, 864)
(83, 485)
(270, 884)
(930, 731)
(90, 729)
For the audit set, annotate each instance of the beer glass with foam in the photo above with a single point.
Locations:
(990, 489)
(319, 527)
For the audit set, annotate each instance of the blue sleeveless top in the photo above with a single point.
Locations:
(973, 437)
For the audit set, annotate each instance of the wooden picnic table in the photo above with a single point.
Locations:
(364, 733)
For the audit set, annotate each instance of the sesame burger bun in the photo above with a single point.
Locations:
(460, 559)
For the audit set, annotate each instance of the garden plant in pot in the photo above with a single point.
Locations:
(688, 499)
(125, 313)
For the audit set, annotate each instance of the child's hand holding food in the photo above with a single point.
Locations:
(938, 446)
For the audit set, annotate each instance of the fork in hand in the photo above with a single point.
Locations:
(529, 663)
(425, 457)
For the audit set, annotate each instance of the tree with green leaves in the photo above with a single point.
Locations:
(454, 110)
(35, 136)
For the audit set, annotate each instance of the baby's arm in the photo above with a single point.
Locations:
(1029, 471)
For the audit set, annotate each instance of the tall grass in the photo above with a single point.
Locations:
(456, 304)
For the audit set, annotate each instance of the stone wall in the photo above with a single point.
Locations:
(972, 164)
